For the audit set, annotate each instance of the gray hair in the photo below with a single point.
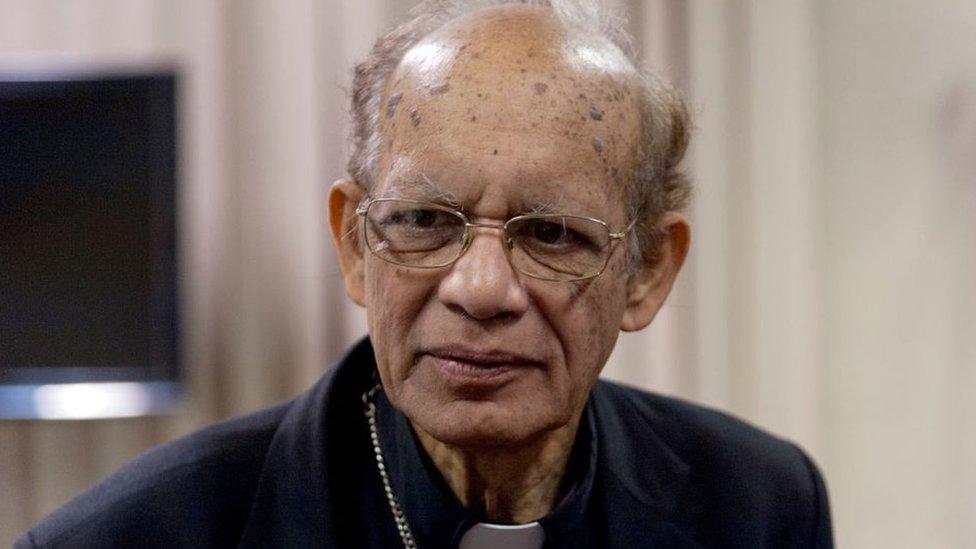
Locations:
(659, 184)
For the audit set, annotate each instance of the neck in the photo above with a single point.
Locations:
(510, 485)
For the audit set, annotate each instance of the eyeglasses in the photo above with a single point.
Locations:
(424, 235)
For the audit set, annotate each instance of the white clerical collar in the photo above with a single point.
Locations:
(485, 535)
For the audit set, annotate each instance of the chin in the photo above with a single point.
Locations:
(484, 424)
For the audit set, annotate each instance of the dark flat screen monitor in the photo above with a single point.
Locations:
(89, 310)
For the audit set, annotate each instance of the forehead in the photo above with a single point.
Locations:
(508, 102)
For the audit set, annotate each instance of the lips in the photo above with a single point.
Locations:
(479, 366)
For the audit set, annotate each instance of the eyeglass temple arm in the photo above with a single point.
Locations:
(623, 233)
(363, 205)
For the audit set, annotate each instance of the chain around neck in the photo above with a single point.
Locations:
(403, 527)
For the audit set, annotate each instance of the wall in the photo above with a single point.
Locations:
(900, 220)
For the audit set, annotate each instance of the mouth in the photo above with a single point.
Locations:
(479, 367)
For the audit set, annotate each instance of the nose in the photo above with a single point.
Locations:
(482, 283)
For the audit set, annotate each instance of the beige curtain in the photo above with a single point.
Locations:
(831, 292)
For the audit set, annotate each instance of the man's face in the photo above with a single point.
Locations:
(504, 114)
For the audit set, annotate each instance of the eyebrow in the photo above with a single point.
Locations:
(423, 188)
(561, 205)
(548, 206)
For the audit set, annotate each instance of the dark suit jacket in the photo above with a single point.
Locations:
(300, 474)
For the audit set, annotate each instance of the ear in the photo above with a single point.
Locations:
(344, 196)
(649, 287)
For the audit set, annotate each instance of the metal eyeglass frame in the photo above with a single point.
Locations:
(363, 208)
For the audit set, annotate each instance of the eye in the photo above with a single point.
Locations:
(560, 234)
(564, 233)
(547, 232)
(418, 218)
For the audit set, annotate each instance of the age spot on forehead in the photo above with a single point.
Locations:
(414, 117)
(598, 144)
(540, 88)
(440, 90)
(596, 114)
(392, 103)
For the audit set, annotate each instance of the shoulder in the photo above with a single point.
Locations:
(741, 479)
(702, 437)
(170, 495)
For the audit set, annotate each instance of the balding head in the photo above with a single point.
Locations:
(514, 76)
(562, 61)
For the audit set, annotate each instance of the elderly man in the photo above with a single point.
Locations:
(511, 206)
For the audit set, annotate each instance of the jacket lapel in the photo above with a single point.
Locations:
(294, 503)
(640, 479)
(291, 503)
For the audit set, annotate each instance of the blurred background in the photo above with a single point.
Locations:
(831, 292)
